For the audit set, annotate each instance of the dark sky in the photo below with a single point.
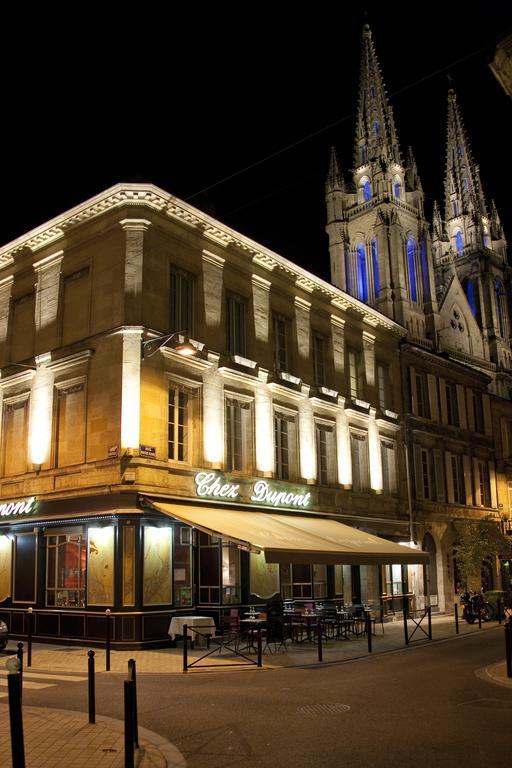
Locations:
(187, 100)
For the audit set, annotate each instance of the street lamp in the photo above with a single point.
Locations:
(182, 344)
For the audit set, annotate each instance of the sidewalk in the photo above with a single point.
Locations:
(170, 660)
(496, 673)
(56, 737)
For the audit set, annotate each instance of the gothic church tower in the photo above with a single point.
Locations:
(379, 240)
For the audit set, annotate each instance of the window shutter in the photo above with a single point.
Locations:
(432, 395)
(449, 476)
(492, 483)
(439, 474)
(476, 483)
(442, 399)
(418, 473)
(414, 394)
(486, 402)
(470, 412)
(467, 479)
(461, 404)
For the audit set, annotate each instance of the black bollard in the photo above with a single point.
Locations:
(16, 720)
(429, 622)
(508, 647)
(185, 648)
(406, 634)
(29, 637)
(19, 654)
(92, 693)
(479, 618)
(369, 632)
(319, 640)
(498, 604)
(107, 642)
(132, 675)
(258, 646)
(128, 724)
(456, 614)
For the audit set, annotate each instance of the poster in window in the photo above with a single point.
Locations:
(128, 566)
(264, 576)
(5, 567)
(157, 565)
(100, 566)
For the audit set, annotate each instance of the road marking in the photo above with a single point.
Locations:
(323, 709)
(47, 676)
(29, 685)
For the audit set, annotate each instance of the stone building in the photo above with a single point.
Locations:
(447, 281)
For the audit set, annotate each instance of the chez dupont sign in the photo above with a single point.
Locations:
(213, 485)
(18, 507)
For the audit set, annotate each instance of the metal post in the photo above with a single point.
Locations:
(15, 714)
(107, 641)
(19, 654)
(132, 675)
(92, 694)
(258, 641)
(185, 647)
(29, 637)
(456, 614)
(369, 631)
(319, 639)
(479, 618)
(498, 603)
(406, 634)
(508, 647)
(128, 725)
(430, 622)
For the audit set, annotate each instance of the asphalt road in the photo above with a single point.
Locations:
(423, 706)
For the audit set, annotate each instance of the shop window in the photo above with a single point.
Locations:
(182, 565)
(326, 453)
(231, 576)
(264, 577)
(319, 359)
(5, 567)
(209, 569)
(75, 306)
(157, 584)
(389, 469)
(396, 580)
(239, 436)
(181, 302)
(25, 568)
(285, 444)
(296, 581)
(360, 465)
(15, 435)
(70, 425)
(319, 581)
(236, 325)
(128, 566)
(281, 335)
(65, 570)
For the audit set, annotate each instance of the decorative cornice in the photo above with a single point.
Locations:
(302, 303)
(212, 258)
(137, 224)
(260, 282)
(48, 261)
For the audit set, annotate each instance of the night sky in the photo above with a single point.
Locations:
(237, 113)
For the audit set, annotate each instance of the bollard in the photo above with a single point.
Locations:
(128, 724)
(369, 631)
(107, 641)
(132, 675)
(29, 637)
(92, 695)
(258, 640)
(430, 622)
(185, 648)
(479, 618)
(406, 634)
(19, 654)
(498, 603)
(508, 647)
(15, 713)
(319, 640)
(456, 614)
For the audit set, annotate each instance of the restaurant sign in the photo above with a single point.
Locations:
(21, 507)
(213, 485)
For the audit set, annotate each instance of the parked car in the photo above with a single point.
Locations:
(4, 635)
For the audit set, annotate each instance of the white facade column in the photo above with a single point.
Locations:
(263, 419)
(213, 418)
(130, 389)
(375, 454)
(308, 468)
(343, 447)
(41, 413)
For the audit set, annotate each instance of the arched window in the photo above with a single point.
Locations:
(459, 242)
(362, 277)
(375, 266)
(367, 190)
(411, 265)
(425, 279)
(397, 188)
(500, 294)
(473, 297)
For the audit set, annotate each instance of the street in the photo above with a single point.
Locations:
(420, 706)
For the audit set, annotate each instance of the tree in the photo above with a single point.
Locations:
(477, 541)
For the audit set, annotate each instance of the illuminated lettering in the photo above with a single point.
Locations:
(209, 484)
(22, 507)
(264, 494)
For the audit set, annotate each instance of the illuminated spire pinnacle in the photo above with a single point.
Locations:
(375, 128)
(334, 179)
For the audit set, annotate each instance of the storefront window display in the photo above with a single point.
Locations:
(65, 570)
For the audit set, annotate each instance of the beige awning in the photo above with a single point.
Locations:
(293, 538)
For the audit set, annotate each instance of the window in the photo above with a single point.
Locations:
(182, 570)
(425, 278)
(15, 435)
(178, 424)
(319, 359)
(75, 306)
(209, 570)
(397, 188)
(455, 208)
(422, 400)
(389, 473)
(367, 190)
(285, 443)
(239, 453)
(296, 581)
(383, 384)
(396, 579)
(235, 325)
(457, 476)
(478, 412)
(473, 297)
(326, 453)
(231, 573)
(181, 302)
(362, 276)
(425, 473)
(22, 326)
(452, 410)
(411, 266)
(65, 570)
(319, 581)
(355, 372)
(459, 242)
(482, 484)
(280, 343)
(70, 425)
(360, 466)
(375, 267)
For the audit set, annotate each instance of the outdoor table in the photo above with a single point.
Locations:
(205, 625)
(251, 628)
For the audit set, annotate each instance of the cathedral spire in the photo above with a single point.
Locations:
(462, 185)
(334, 181)
(375, 129)
(412, 177)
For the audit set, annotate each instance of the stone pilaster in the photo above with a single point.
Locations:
(130, 390)
(343, 447)
(303, 337)
(5, 308)
(369, 358)
(264, 424)
(338, 349)
(213, 418)
(212, 297)
(261, 310)
(375, 454)
(308, 468)
(47, 300)
(41, 413)
(133, 269)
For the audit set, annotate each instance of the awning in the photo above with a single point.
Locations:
(293, 538)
